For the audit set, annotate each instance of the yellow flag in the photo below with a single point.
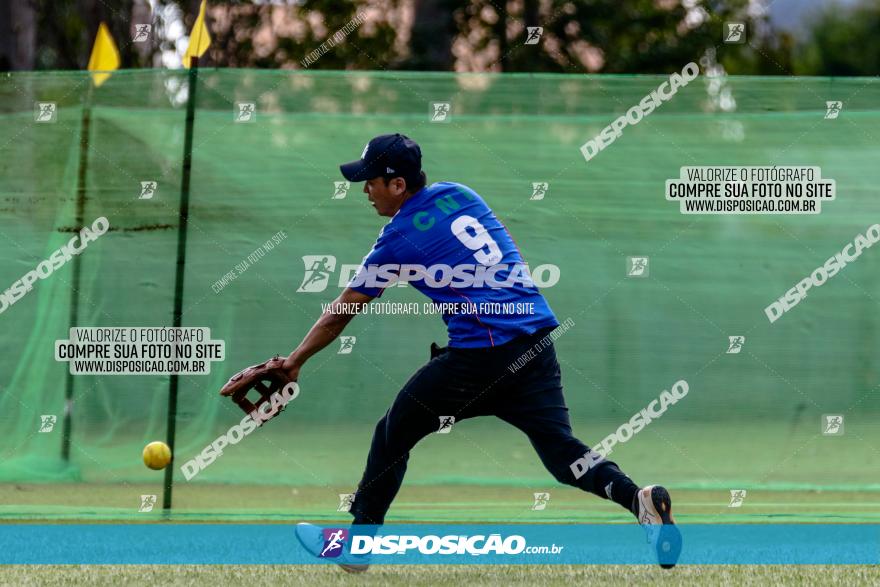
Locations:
(105, 55)
(199, 39)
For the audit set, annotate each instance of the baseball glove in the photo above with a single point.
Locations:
(267, 378)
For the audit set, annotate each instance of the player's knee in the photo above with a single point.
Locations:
(405, 417)
(394, 430)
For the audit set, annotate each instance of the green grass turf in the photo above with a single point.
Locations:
(296, 450)
(435, 575)
(418, 503)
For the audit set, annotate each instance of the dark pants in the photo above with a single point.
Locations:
(466, 383)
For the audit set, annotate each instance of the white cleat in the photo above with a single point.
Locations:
(655, 516)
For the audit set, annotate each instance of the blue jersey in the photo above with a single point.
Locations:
(447, 243)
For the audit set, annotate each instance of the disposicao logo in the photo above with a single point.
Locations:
(334, 539)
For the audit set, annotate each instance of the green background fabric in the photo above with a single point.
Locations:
(751, 418)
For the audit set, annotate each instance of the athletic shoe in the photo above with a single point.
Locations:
(312, 539)
(655, 515)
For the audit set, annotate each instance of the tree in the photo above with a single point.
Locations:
(432, 35)
(842, 42)
(18, 35)
(602, 36)
(282, 36)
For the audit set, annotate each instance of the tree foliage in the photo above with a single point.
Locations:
(579, 36)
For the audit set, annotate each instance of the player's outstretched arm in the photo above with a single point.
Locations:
(329, 326)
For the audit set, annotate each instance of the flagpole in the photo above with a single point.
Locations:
(179, 274)
(85, 125)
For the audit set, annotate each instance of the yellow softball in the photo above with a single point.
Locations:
(157, 455)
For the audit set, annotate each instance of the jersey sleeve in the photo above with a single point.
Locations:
(379, 268)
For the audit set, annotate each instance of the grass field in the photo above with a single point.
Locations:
(471, 576)
(418, 503)
(117, 503)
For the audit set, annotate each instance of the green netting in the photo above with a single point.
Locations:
(751, 419)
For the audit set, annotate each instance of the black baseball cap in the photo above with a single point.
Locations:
(392, 155)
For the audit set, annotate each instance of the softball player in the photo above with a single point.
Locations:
(448, 224)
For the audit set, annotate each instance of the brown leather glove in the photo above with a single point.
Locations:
(267, 378)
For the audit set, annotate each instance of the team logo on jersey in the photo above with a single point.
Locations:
(446, 423)
(735, 344)
(319, 268)
(832, 424)
(541, 501)
(334, 540)
(832, 109)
